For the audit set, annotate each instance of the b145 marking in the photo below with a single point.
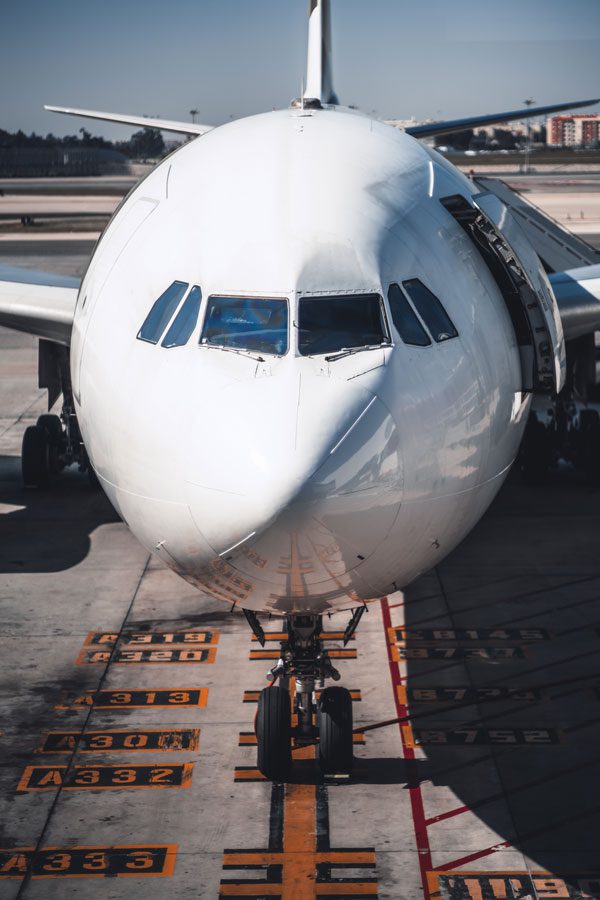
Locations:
(174, 740)
(46, 778)
(132, 657)
(89, 862)
(161, 698)
(135, 638)
(516, 635)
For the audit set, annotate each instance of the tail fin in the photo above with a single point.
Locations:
(319, 77)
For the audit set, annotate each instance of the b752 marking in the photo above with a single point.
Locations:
(471, 694)
(480, 736)
(47, 778)
(495, 653)
(134, 860)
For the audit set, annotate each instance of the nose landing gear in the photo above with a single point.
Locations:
(319, 714)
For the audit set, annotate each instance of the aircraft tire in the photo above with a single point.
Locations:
(36, 457)
(53, 426)
(273, 733)
(336, 754)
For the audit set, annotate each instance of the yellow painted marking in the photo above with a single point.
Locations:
(407, 736)
(133, 860)
(401, 694)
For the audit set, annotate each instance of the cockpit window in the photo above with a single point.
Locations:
(160, 315)
(331, 324)
(185, 321)
(247, 323)
(404, 318)
(431, 310)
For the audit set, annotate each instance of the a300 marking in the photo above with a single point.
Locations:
(123, 657)
(135, 699)
(135, 638)
(480, 736)
(89, 862)
(495, 653)
(97, 741)
(46, 778)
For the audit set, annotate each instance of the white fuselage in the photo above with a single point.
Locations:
(296, 483)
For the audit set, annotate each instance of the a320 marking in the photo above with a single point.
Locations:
(123, 657)
(46, 778)
(137, 638)
(161, 698)
(172, 740)
(89, 862)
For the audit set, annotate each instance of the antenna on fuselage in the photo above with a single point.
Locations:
(319, 74)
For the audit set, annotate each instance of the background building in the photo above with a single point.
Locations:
(573, 131)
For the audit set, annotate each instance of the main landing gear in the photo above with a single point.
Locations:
(50, 445)
(327, 719)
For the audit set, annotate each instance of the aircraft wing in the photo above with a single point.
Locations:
(141, 121)
(577, 293)
(38, 303)
(450, 125)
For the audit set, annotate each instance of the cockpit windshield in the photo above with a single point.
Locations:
(246, 323)
(331, 324)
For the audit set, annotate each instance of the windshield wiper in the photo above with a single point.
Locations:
(348, 351)
(233, 350)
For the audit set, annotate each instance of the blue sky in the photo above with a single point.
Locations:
(236, 57)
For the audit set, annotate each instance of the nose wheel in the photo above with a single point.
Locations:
(327, 721)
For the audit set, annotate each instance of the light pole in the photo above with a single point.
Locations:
(193, 114)
(529, 102)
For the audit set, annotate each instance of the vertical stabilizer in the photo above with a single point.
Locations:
(319, 77)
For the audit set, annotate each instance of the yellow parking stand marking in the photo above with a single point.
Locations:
(165, 740)
(118, 657)
(133, 860)
(399, 653)
(92, 777)
(401, 693)
(143, 638)
(252, 696)
(248, 738)
(407, 736)
(135, 698)
(324, 636)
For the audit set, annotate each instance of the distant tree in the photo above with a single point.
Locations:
(145, 144)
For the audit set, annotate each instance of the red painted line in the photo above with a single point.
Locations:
(464, 860)
(414, 790)
(448, 815)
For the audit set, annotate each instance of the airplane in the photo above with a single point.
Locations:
(301, 364)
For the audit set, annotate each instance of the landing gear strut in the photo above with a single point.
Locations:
(329, 718)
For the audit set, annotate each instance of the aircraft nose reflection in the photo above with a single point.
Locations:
(256, 448)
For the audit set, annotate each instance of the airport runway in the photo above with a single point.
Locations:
(126, 757)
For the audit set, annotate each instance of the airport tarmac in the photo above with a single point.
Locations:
(126, 761)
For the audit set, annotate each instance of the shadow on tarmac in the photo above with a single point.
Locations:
(527, 765)
(48, 530)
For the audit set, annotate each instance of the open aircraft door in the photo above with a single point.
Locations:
(525, 287)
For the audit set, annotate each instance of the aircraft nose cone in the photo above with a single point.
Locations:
(256, 445)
